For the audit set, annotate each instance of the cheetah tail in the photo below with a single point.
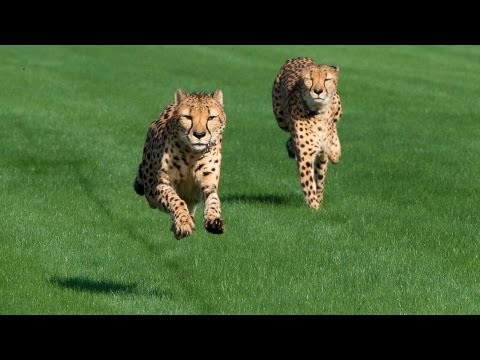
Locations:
(138, 185)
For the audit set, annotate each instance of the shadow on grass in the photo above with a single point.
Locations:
(259, 199)
(94, 286)
(106, 287)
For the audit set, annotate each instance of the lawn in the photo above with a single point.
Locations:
(397, 233)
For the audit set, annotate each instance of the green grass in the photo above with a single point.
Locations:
(397, 233)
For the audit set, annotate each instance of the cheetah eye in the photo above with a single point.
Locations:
(211, 117)
(188, 117)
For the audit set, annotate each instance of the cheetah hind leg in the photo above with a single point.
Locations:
(138, 185)
(191, 210)
(290, 148)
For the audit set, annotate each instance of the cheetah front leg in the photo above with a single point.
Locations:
(321, 163)
(211, 216)
(305, 170)
(182, 222)
(335, 150)
(208, 177)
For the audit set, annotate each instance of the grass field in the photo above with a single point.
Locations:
(397, 233)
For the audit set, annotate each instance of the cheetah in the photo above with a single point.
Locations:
(181, 161)
(306, 104)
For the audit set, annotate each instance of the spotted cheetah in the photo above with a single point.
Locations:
(306, 104)
(181, 161)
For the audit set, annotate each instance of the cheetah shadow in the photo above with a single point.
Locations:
(268, 199)
(84, 284)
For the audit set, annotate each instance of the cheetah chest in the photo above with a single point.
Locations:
(181, 176)
(187, 189)
(314, 133)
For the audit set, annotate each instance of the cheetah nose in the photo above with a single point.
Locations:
(318, 91)
(198, 134)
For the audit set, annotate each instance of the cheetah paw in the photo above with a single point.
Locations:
(183, 227)
(334, 158)
(315, 205)
(215, 226)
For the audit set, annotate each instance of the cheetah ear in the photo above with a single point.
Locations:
(218, 95)
(336, 68)
(180, 94)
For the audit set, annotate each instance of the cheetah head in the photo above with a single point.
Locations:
(319, 85)
(200, 118)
